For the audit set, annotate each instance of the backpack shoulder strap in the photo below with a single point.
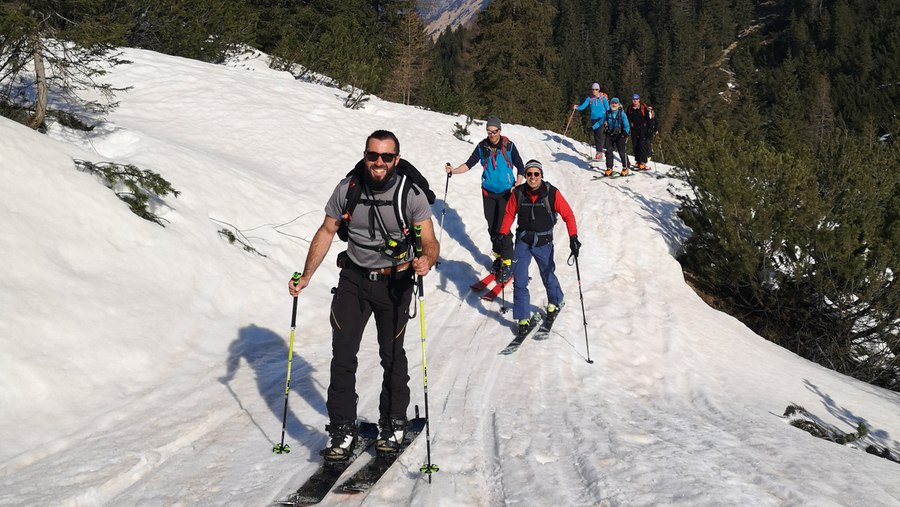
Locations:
(354, 191)
(550, 201)
(401, 206)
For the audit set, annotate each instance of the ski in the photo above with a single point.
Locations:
(543, 331)
(495, 290)
(614, 176)
(484, 282)
(369, 474)
(518, 340)
(320, 483)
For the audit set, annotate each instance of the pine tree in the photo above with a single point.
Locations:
(410, 66)
(204, 30)
(821, 112)
(518, 63)
(61, 43)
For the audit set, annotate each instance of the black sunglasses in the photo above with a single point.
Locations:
(493, 131)
(372, 156)
(532, 174)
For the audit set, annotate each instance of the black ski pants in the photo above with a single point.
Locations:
(640, 143)
(600, 138)
(494, 210)
(355, 300)
(616, 141)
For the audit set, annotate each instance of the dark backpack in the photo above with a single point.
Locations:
(355, 191)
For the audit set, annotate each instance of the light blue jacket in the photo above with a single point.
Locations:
(613, 119)
(599, 105)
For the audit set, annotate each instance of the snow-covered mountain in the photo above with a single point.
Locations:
(145, 366)
(440, 14)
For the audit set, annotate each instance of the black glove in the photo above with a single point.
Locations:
(574, 244)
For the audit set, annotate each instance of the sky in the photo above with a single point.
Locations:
(145, 366)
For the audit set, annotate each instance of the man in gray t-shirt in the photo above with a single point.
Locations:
(365, 235)
(376, 279)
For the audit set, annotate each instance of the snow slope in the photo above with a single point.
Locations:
(145, 366)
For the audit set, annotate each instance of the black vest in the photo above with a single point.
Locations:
(536, 219)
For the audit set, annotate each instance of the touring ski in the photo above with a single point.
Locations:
(543, 331)
(369, 474)
(519, 339)
(484, 282)
(614, 176)
(321, 482)
(496, 289)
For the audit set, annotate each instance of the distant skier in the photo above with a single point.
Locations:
(643, 125)
(599, 104)
(615, 122)
(376, 278)
(503, 169)
(536, 205)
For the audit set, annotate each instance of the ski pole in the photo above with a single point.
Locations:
(569, 122)
(503, 308)
(283, 448)
(587, 345)
(659, 145)
(429, 467)
(565, 130)
(444, 208)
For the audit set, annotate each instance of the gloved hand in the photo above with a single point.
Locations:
(574, 244)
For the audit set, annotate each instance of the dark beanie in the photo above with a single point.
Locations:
(493, 121)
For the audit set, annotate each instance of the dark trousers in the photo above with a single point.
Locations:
(599, 138)
(494, 210)
(617, 141)
(356, 299)
(640, 143)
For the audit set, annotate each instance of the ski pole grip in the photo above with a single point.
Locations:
(418, 242)
(451, 171)
(296, 277)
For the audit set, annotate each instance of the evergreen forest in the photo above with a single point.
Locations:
(780, 114)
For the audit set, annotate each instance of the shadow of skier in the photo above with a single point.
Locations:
(267, 353)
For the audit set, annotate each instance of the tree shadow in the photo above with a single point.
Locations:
(267, 354)
(664, 217)
(877, 436)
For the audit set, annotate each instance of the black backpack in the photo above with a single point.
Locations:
(355, 190)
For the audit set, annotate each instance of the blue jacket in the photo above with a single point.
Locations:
(501, 163)
(599, 105)
(614, 119)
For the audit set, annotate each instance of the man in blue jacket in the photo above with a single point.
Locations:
(599, 104)
(503, 169)
(615, 123)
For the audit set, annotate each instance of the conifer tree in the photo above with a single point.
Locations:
(204, 30)
(59, 44)
(518, 63)
(410, 65)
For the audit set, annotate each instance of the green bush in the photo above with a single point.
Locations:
(802, 245)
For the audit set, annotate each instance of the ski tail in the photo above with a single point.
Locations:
(484, 282)
(496, 289)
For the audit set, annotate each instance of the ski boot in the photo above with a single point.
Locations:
(392, 432)
(343, 437)
(553, 312)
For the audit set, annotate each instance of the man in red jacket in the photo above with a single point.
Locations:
(537, 205)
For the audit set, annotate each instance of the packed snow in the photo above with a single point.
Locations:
(145, 365)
